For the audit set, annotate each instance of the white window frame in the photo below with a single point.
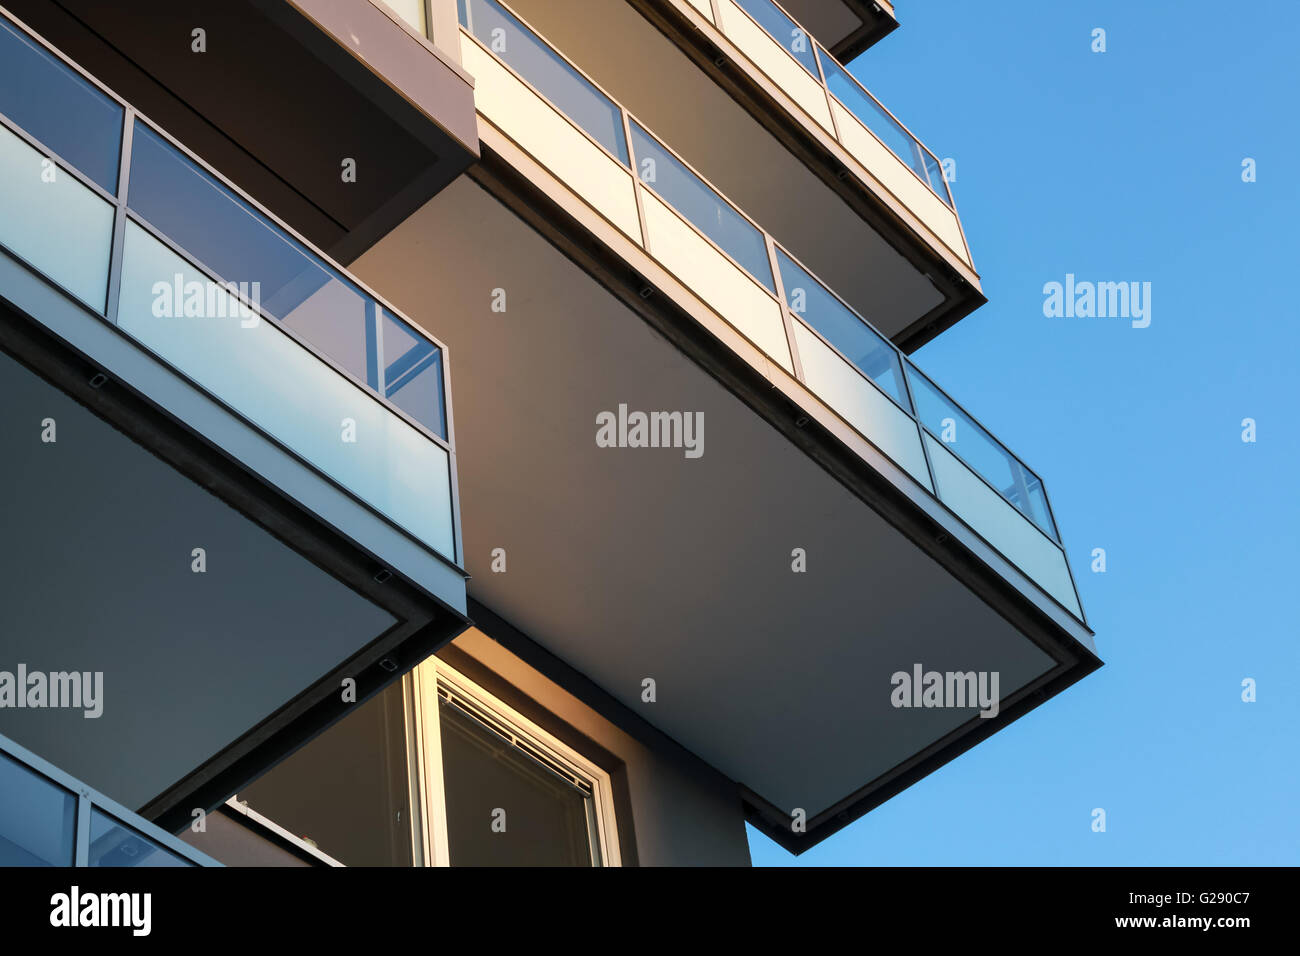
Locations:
(424, 747)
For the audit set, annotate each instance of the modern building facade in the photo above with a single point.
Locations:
(483, 432)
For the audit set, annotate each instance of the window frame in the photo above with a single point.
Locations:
(430, 844)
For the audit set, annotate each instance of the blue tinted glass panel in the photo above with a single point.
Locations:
(873, 117)
(413, 375)
(524, 52)
(934, 173)
(114, 844)
(240, 245)
(287, 392)
(700, 205)
(783, 30)
(841, 327)
(55, 104)
(63, 228)
(37, 818)
(977, 448)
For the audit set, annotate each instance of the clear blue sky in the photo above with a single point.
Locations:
(1125, 166)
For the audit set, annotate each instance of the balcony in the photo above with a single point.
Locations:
(48, 818)
(586, 268)
(152, 291)
(849, 27)
(546, 105)
(775, 69)
(340, 116)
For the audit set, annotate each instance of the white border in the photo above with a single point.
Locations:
(423, 691)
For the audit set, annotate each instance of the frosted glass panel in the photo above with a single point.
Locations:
(1001, 525)
(412, 11)
(286, 391)
(730, 290)
(861, 404)
(53, 221)
(37, 818)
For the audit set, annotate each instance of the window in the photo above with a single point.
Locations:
(347, 792)
(434, 770)
(496, 789)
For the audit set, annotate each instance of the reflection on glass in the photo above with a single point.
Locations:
(841, 327)
(275, 383)
(37, 818)
(54, 103)
(115, 844)
(783, 30)
(887, 129)
(548, 820)
(62, 227)
(229, 237)
(238, 244)
(413, 374)
(529, 56)
(978, 449)
(700, 205)
(361, 817)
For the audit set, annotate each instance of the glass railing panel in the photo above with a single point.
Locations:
(1002, 525)
(773, 58)
(529, 56)
(38, 819)
(934, 176)
(240, 245)
(288, 282)
(114, 844)
(54, 222)
(873, 116)
(783, 30)
(413, 376)
(861, 404)
(413, 12)
(274, 382)
(55, 104)
(888, 130)
(553, 139)
(701, 205)
(949, 424)
(839, 325)
(727, 288)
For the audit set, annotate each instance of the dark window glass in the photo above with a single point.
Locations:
(526, 53)
(59, 107)
(347, 792)
(413, 374)
(114, 844)
(701, 205)
(841, 327)
(37, 818)
(541, 818)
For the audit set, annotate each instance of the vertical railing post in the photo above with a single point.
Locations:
(81, 841)
(636, 179)
(916, 417)
(119, 217)
(826, 89)
(786, 318)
